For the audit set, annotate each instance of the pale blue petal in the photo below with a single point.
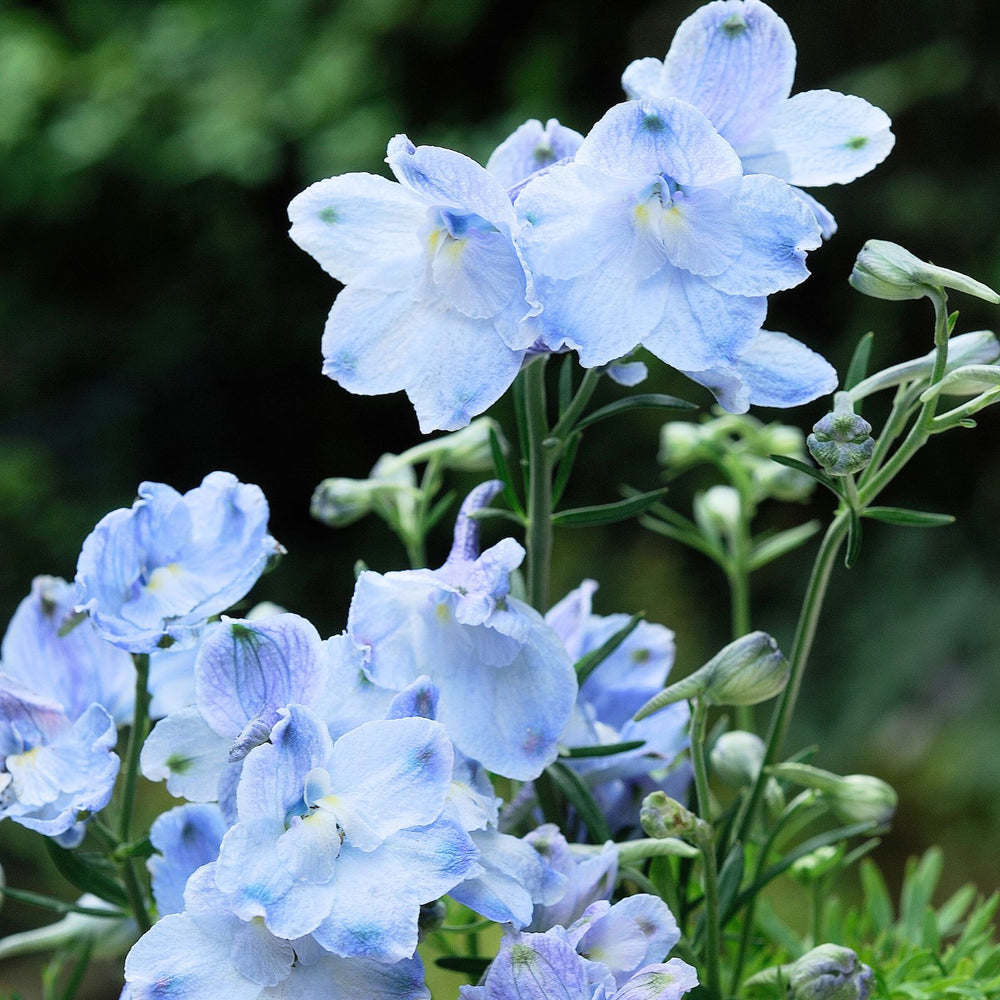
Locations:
(701, 231)
(777, 229)
(350, 697)
(418, 700)
(260, 956)
(824, 218)
(247, 670)
(646, 139)
(389, 775)
(537, 967)
(667, 981)
(333, 978)
(478, 273)
(646, 80)
(781, 371)
(629, 374)
(532, 147)
(821, 137)
(183, 750)
(310, 845)
(171, 678)
(186, 837)
(702, 325)
(449, 179)
(734, 60)
(361, 227)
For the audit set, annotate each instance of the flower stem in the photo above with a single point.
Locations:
(541, 460)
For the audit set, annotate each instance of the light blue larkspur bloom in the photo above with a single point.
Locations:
(345, 840)
(734, 60)
(158, 570)
(185, 837)
(438, 301)
(653, 235)
(207, 951)
(611, 953)
(506, 684)
(53, 767)
(529, 148)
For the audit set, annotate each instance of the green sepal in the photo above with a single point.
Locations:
(853, 540)
(608, 513)
(908, 518)
(858, 368)
(473, 967)
(571, 785)
(138, 849)
(86, 875)
(777, 545)
(606, 750)
(502, 469)
(360, 566)
(589, 662)
(641, 401)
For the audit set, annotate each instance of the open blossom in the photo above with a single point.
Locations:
(438, 301)
(158, 570)
(734, 60)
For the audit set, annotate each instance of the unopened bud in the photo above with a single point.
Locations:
(717, 511)
(888, 271)
(737, 757)
(662, 817)
(853, 798)
(466, 450)
(816, 864)
(829, 972)
(682, 443)
(747, 671)
(842, 442)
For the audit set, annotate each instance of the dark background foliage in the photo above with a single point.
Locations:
(156, 322)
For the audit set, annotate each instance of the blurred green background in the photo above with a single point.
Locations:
(156, 322)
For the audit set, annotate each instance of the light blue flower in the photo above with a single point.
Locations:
(506, 685)
(734, 60)
(344, 840)
(652, 235)
(206, 951)
(529, 148)
(186, 838)
(438, 302)
(64, 660)
(160, 569)
(52, 767)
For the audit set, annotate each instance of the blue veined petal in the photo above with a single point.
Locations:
(778, 228)
(361, 227)
(186, 752)
(530, 148)
(247, 670)
(389, 775)
(449, 179)
(350, 698)
(452, 367)
(781, 371)
(702, 326)
(824, 217)
(261, 957)
(646, 80)
(186, 837)
(537, 967)
(664, 981)
(701, 231)
(645, 139)
(821, 137)
(332, 978)
(375, 911)
(734, 60)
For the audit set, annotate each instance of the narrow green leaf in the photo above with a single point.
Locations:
(689, 538)
(472, 967)
(908, 518)
(589, 662)
(489, 513)
(550, 799)
(580, 797)
(730, 877)
(853, 540)
(609, 513)
(566, 460)
(607, 750)
(86, 875)
(85, 950)
(641, 401)
(919, 882)
(56, 905)
(440, 508)
(778, 545)
(503, 473)
(810, 470)
(858, 368)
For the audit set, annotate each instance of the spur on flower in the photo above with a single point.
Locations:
(438, 301)
(734, 60)
(157, 571)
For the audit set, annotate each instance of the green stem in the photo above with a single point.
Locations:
(541, 461)
(699, 723)
(564, 425)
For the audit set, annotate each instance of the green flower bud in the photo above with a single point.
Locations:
(737, 757)
(662, 817)
(842, 442)
(853, 798)
(887, 271)
(717, 511)
(816, 864)
(829, 972)
(682, 444)
(747, 671)
(467, 450)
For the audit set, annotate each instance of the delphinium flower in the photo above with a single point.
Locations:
(438, 301)
(157, 571)
(610, 953)
(505, 680)
(62, 692)
(734, 60)
(653, 235)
